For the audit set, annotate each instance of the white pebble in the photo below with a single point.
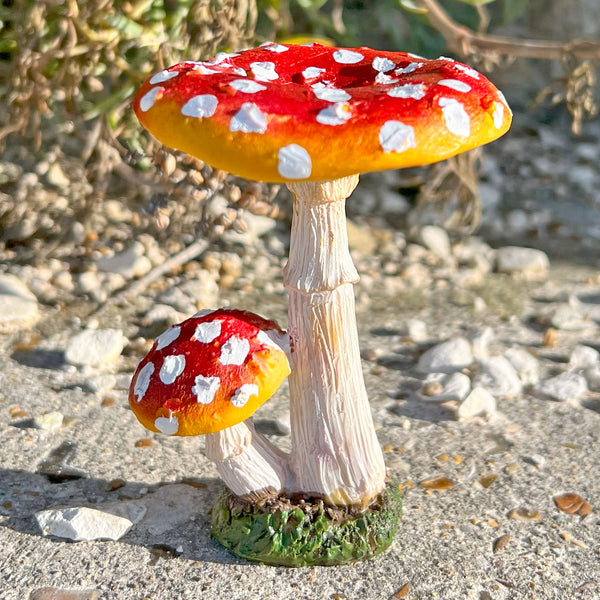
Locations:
(525, 364)
(584, 357)
(94, 347)
(564, 387)
(436, 239)
(499, 376)
(18, 306)
(82, 524)
(529, 263)
(50, 421)
(479, 402)
(447, 357)
(453, 386)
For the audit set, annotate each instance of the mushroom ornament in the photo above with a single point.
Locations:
(208, 375)
(315, 117)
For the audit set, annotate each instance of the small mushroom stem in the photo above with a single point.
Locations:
(335, 452)
(248, 463)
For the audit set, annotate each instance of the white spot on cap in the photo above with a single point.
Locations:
(248, 86)
(278, 340)
(167, 337)
(220, 57)
(264, 71)
(384, 79)
(234, 351)
(242, 394)
(312, 72)
(501, 96)
(294, 162)
(249, 119)
(200, 106)
(162, 76)
(414, 91)
(275, 47)
(336, 114)
(207, 332)
(203, 70)
(142, 382)
(467, 70)
(329, 93)
(409, 68)
(167, 425)
(455, 116)
(455, 84)
(205, 388)
(147, 100)
(396, 136)
(382, 64)
(347, 57)
(173, 366)
(498, 114)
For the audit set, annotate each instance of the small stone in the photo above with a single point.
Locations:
(584, 357)
(499, 376)
(50, 421)
(453, 386)
(18, 306)
(564, 387)
(523, 513)
(436, 239)
(416, 330)
(94, 347)
(480, 342)
(82, 524)
(525, 364)
(478, 403)
(500, 543)
(56, 176)
(87, 282)
(417, 275)
(592, 376)
(570, 317)
(130, 263)
(529, 263)
(447, 357)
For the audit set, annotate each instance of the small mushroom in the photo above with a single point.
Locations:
(208, 375)
(315, 117)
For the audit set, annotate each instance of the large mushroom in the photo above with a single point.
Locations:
(315, 117)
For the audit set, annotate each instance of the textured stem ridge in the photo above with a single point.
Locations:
(248, 463)
(335, 452)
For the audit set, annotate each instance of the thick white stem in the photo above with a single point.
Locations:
(248, 463)
(335, 452)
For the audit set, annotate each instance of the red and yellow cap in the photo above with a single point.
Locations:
(210, 372)
(285, 112)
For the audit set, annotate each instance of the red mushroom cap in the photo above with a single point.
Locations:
(311, 112)
(209, 372)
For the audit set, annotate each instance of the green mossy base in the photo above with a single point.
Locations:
(302, 534)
